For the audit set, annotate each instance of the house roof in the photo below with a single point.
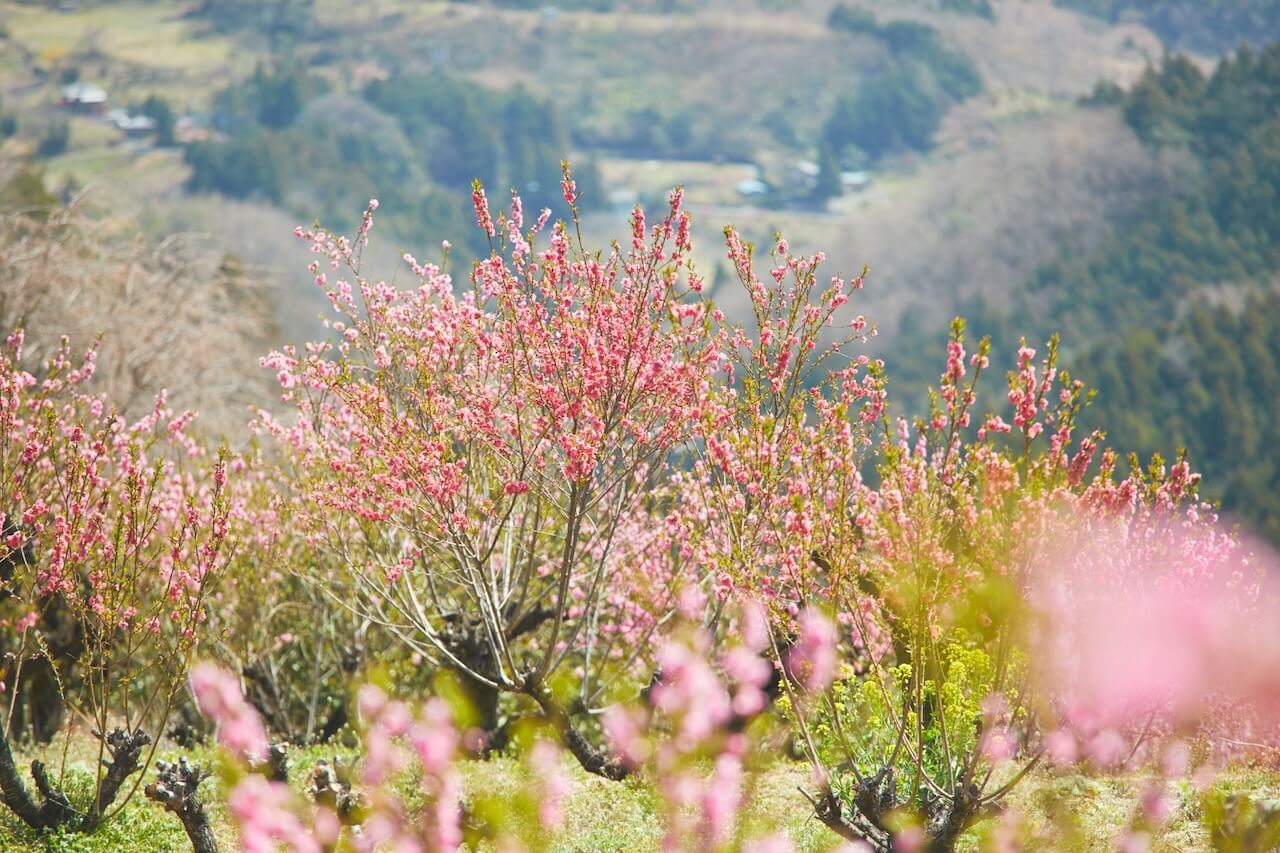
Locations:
(83, 93)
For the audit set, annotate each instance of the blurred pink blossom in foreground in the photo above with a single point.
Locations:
(1155, 624)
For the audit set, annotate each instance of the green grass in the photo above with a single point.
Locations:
(152, 35)
(140, 826)
(626, 816)
(600, 815)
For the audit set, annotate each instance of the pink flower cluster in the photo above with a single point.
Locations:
(1155, 623)
(268, 815)
(217, 694)
(393, 734)
(699, 703)
(813, 658)
(263, 811)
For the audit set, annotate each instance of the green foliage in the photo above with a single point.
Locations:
(901, 107)
(141, 826)
(159, 109)
(1238, 823)
(25, 190)
(271, 97)
(283, 22)
(981, 8)
(857, 730)
(676, 131)
(897, 110)
(1204, 25)
(1104, 94)
(55, 139)
(852, 20)
(285, 140)
(1209, 383)
(345, 163)
(285, 146)
(828, 184)
(248, 166)
(591, 5)
(465, 132)
(450, 115)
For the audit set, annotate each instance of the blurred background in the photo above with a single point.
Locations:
(1109, 169)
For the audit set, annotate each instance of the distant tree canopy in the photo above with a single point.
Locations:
(250, 165)
(828, 184)
(158, 108)
(900, 107)
(290, 143)
(1208, 382)
(1212, 26)
(981, 8)
(25, 191)
(592, 5)
(1175, 317)
(506, 139)
(270, 97)
(1222, 227)
(283, 22)
(54, 139)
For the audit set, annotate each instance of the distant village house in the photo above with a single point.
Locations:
(132, 126)
(83, 98)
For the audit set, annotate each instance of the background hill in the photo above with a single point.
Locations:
(1037, 164)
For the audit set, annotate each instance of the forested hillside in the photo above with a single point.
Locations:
(416, 140)
(902, 104)
(1209, 26)
(1175, 317)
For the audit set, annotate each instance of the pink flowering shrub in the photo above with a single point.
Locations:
(218, 697)
(1006, 602)
(479, 459)
(698, 714)
(113, 534)
(573, 475)
(275, 617)
(783, 436)
(1158, 623)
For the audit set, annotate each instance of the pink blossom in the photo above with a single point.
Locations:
(769, 844)
(556, 785)
(813, 658)
(999, 745)
(218, 696)
(262, 812)
(623, 731)
(481, 205)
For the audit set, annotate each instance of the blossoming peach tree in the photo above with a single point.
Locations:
(980, 635)
(113, 534)
(486, 455)
(586, 509)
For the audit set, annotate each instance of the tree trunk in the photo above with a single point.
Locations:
(177, 789)
(54, 809)
(593, 760)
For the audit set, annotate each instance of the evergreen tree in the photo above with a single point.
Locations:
(828, 185)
